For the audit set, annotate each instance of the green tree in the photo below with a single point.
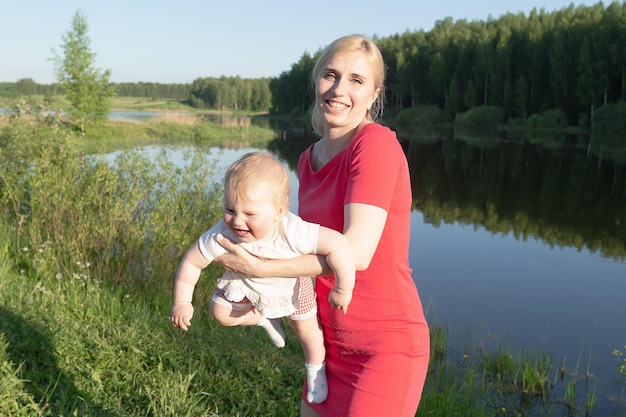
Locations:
(86, 87)
(520, 100)
(455, 101)
(292, 92)
(585, 90)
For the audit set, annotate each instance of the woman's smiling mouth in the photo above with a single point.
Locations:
(335, 105)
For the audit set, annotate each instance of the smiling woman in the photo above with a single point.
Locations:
(355, 180)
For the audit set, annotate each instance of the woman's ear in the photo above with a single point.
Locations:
(374, 97)
(376, 93)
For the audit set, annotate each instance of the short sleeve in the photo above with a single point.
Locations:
(376, 161)
(207, 243)
(302, 236)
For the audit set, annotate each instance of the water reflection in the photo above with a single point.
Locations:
(564, 198)
(133, 116)
(223, 118)
(518, 243)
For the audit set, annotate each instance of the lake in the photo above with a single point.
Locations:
(518, 244)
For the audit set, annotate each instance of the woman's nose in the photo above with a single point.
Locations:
(339, 86)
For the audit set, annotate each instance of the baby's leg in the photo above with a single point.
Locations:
(235, 314)
(311, 339)
(227, 316)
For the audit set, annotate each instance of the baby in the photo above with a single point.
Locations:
(256, 215)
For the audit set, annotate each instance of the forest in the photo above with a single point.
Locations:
(572, 60)
(567, 63)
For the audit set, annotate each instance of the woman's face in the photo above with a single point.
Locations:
(345, 90)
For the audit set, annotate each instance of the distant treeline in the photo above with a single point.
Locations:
(571, 61)
(232, 93)
(27, 87)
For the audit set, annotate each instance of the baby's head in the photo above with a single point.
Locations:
(258, 169)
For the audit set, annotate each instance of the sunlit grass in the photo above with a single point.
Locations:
(73, 346)
(146, 103)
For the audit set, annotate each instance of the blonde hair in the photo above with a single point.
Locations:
(352, 43)
(256, 168)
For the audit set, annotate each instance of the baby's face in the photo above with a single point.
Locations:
(252, 215)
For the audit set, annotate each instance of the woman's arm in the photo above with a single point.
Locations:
(338, 251)
(364, 225)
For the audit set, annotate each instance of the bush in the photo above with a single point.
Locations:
(610, 119)
(584, 120)
(421, 115)
(129, 218)
(480, 116)
(551, 119)
(515, 122)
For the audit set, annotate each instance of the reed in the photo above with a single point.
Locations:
(621, 376)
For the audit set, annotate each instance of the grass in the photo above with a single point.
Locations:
(169, 128)
(147, 104)
(74, 346)
(88, 252)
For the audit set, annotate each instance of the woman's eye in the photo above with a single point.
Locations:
(357, 81)
(329, 76)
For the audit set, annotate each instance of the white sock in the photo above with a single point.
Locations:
(274, 331)
(317, 386)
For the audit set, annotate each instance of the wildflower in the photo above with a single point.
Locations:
(58, 276)
(40, 288)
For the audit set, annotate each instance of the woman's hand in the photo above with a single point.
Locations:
(238, 260)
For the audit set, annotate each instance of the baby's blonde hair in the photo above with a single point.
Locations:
(254, 168)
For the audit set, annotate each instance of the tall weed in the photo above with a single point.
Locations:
(129, 217)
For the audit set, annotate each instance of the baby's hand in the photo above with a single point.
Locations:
(339, 298)
(182, 313)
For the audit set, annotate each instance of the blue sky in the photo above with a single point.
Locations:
(177, 42)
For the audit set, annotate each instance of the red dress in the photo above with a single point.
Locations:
(377, 354)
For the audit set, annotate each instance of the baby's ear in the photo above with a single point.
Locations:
(280, 212)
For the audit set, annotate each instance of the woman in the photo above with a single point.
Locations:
(355, 179)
